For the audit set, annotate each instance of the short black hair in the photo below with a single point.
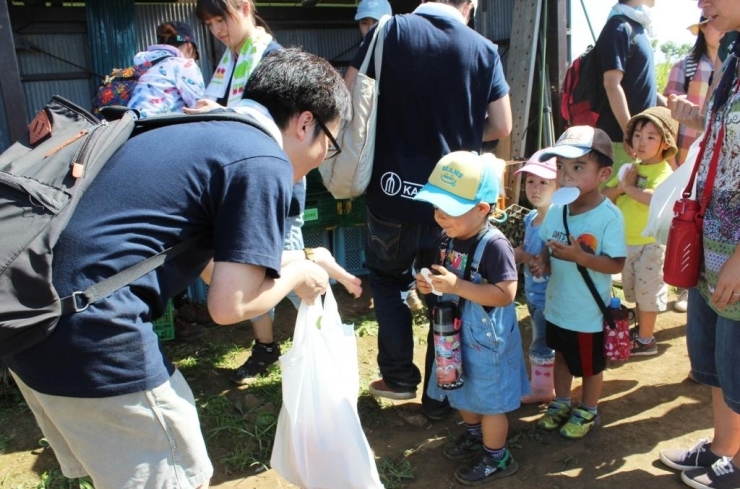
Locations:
(290, 81)
(601, 159)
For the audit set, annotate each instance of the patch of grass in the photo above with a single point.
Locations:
(395, 473)
(365, 325)
(195, 359)
(54, 479)
(246, 433)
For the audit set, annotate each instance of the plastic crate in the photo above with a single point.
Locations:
(513, 223)
(349, 249)
(314, 183)
(164, 327)
(198, 291)
(320, 212)
(353, 212)
(317, 239)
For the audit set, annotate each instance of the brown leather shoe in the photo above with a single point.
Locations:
(194, 313)
(186, 331)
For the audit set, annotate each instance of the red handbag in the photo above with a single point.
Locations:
(684, 249)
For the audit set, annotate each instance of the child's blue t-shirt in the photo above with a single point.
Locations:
(569, 304)
(534, 288)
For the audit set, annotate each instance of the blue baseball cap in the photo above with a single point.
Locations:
(373, 9)
(459, 182)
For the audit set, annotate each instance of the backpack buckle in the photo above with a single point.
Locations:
(85, 303)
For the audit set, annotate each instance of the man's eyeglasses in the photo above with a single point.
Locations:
(334, 149)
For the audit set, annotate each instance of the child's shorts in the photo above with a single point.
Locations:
(642, 277)
(583, 352)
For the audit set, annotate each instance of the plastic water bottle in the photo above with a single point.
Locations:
(618, 313)
(446, 329)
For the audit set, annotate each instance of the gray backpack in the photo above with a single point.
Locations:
(42, 178)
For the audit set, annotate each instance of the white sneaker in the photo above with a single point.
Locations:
(682, 302)
(617, 280)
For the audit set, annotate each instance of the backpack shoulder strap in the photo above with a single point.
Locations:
(80, 300)
(631, 31)
(155, 121)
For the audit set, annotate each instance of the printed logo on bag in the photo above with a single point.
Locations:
(392, 185)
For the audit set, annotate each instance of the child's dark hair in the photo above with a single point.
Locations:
(166, 32)
(601, 159)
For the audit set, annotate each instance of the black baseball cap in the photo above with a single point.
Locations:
(184, 33)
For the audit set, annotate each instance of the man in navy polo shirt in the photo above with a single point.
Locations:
(109, 402)
(442, 89)
(626, 61)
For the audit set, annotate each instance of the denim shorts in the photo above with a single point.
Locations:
(147, 439)
(713, 343)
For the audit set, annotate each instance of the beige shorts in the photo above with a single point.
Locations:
(148, 439)
(642, 277)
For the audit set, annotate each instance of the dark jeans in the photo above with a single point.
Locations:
(393, 253)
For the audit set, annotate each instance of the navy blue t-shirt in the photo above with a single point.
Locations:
(437, 79)
(638, 82)
(226, 179)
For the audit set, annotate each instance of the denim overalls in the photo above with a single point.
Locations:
(493, 362)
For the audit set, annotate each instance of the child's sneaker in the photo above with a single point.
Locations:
(485, 469)
(580, 423)
(464, 447)
(697, 456)
(556, 413)
(721, 475)
(644, 349)
(257, 364)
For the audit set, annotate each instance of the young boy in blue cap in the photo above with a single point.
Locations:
(595, 241)
(476, 271)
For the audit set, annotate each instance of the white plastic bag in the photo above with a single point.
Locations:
(666, 194)
(319, 442)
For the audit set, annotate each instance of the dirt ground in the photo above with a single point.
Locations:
(647, 404)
